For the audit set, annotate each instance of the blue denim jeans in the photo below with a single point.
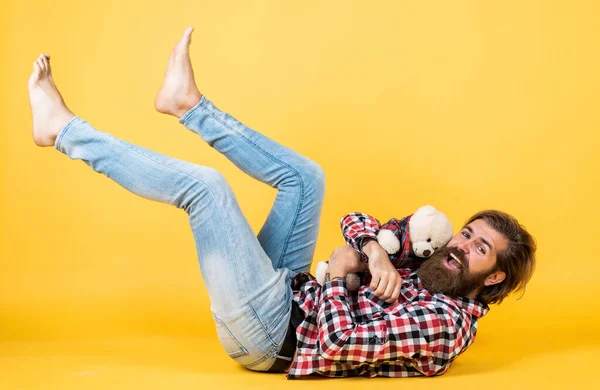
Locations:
(247, 276)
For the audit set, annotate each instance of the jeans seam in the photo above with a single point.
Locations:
(242, 348)
(283, 312)
(272, 352)
(274, 159)
(225, 221)
(204, 105)
(275, 321)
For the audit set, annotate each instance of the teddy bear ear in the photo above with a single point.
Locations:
(443, 228)
(427, 209)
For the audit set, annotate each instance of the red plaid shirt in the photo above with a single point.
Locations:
(347, 334)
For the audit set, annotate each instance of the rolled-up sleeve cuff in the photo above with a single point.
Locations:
(365, 239)
(335, 288)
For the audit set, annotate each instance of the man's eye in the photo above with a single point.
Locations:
(481, 249)
(465, 234)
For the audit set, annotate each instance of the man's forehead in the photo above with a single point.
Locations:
(480, 228)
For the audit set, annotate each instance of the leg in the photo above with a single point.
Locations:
(290, 232)
(250, 300)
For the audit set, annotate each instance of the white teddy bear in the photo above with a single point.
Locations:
(428, 230)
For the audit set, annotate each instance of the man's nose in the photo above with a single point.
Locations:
(463, 247)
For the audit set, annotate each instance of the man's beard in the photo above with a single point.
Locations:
(437, 278)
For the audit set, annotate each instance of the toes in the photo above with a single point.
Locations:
(188, 31)
(46, 63)
(36, 68)
(48, 66)
(41, 64)
(187, 35)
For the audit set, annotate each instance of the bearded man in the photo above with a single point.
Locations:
(269, 313)
(412, 316)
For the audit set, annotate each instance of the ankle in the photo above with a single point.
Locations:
(186, 105)
(192, 100)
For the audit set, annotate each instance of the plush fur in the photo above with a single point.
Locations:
(429, 230)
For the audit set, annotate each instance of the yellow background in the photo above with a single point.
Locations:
(461, 104)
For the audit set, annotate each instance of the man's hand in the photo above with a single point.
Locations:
(344, 260)
(385, 279)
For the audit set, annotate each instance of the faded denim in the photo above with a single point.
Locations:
(247, 276)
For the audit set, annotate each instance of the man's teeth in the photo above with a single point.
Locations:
(456, 259)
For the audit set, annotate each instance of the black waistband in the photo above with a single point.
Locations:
(286, 353)
(288, 348)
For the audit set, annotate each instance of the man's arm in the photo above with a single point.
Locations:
(411, 332)
(371, 248)
(360, 232)
(401, 259)
(358, 229)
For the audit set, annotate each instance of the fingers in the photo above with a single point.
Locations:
(389, 291)
(386, 288)
(374, 282)
(396, 293)
(385, 291)
(381, 287)
(386, 282)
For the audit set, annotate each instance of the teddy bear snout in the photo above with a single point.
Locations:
(422, 249)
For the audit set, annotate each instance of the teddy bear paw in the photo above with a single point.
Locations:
(388, 241)
(321, 271)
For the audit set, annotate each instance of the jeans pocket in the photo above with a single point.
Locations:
(231, 345)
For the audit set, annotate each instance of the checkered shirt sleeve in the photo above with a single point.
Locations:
(360, 228)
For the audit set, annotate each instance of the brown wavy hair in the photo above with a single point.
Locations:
(517, 261)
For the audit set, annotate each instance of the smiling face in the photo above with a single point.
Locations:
(479, 244)
(467, 263)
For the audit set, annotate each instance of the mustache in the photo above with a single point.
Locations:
(459, 254)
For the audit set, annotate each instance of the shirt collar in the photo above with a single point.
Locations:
(471, 306)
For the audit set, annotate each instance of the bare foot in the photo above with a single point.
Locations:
(50, 114)
(179, 92)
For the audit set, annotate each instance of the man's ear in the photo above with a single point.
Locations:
(495, 278)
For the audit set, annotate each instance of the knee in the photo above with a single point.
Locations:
(210, 177)
(313, 176)
(206, 184)
(207, 179)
